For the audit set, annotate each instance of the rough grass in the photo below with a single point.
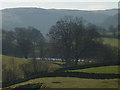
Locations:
(59, 62)
(111, 41)
(105, 69)
(70, 82)
(17, 66)
(8, 62)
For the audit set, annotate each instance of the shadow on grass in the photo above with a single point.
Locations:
(35, 86)
(80, 75)
(88, 66)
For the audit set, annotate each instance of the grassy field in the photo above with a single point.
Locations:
(56, 82)
(8, 62)
(68, 82)
(16, 68)
(111, 41)
(105, 69)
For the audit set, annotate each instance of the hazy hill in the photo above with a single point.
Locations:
(112, 20)
(43, 19)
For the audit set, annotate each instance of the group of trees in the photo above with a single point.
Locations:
(70, 39)
(22, 41)
(75, 40)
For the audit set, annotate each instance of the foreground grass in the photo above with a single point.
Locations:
(70, 82)
(105, 69)
(111, 41)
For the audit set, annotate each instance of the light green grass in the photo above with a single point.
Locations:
(111, 41)
(105, 69)
(72, 82)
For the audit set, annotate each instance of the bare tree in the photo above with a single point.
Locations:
(71, 35)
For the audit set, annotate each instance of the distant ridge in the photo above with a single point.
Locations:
(43, 19)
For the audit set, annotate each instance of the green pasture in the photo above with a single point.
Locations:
(104, 69)
(111, 41)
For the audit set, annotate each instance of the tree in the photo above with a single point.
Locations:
(28, 39)
(83, 38)
(24, 43)
(25, 47)
(72, 37)
(112, 29)
(8, 46)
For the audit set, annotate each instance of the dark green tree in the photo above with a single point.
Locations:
(8, 40)
(29, 40)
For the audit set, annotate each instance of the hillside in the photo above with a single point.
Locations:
(43, 19)
(111, 20)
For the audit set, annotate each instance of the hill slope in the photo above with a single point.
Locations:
(43, 19)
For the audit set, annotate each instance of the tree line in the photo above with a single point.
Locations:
(71, 39)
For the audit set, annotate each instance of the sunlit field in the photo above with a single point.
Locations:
(105, 69)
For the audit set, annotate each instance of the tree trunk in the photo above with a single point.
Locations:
(26, 57)
(76, 61)
(35, 65)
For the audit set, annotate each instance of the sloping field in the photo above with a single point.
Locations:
(13, 64)
(18, 68)
(105, 69)
(111, 41)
